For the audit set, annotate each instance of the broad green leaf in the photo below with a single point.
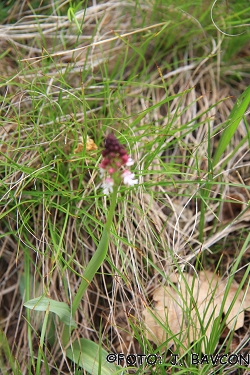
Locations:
(236, 116)
(59, 308)
(86, 354)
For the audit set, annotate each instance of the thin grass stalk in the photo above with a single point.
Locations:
(95, 262)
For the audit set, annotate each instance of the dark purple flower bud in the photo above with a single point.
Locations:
(122, 151)
(105, 153)
(124, 158)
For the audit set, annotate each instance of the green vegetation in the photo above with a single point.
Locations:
(171, 81)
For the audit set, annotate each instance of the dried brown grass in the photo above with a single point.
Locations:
(151, 225)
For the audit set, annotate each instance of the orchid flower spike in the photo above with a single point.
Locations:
(112, 167)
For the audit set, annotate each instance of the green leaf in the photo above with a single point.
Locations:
(236, 116)
(59, 308)
(85, 353)
(72, 16)
(7, 361)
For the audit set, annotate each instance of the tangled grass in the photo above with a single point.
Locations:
(164, 80)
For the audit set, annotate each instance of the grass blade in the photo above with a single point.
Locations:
(237, 114)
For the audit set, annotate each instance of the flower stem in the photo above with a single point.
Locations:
(95, 262)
